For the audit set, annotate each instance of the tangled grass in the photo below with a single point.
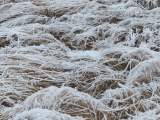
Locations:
(77, 60)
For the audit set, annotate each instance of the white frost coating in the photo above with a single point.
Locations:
(44, 114)
(95, 55)
(148, 115)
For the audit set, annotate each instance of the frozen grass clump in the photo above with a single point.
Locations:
(37, 113)
(86, 59)
(144, 72)
(128, 100)
(64, 100)
(149, 4)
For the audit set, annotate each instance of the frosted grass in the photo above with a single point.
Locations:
(76, 60)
